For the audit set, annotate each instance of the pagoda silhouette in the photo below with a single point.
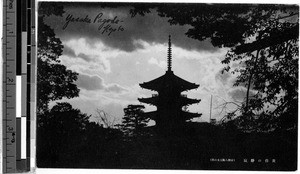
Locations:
(169, 101)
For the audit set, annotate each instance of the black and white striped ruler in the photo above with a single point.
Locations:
(18, 85)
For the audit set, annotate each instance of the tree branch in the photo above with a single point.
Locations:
(249, 82)
(275, 38)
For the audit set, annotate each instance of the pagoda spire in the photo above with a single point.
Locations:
(169, 116)
(169, 55)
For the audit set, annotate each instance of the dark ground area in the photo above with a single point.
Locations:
(199, 147)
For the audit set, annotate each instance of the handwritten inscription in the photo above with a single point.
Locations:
(105, 25)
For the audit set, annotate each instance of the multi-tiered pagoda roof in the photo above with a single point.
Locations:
(169, 100)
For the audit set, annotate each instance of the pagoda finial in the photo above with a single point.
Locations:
(169, 55)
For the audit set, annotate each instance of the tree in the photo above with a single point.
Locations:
(134, 122)
(60, 128)
(61, 133)
(54, 80)
(264, 41)
(273, 75)
(271, 71)
(65, 136)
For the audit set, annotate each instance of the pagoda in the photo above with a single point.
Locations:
(169, 100)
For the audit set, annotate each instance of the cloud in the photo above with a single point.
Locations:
(120, 85)
(95, 56)
(115, 88)
(239, 93)
(90, 82)
(160, 63)
(84, 57)
(97, 83)
(68, 51)
(150, 28)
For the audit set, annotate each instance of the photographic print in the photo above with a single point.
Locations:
(185, 86)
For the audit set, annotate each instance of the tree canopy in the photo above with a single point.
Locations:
(54, 80)
(133, 121)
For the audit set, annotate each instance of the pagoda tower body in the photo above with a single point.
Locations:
(169, 100)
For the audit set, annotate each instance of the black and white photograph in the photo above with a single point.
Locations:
(167, 86)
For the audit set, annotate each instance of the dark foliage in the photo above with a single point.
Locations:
(270, 70)
(134, 123)
(54, 81)
(60, 130)
(66, 138)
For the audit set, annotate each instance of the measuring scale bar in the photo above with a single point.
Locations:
(18, 89)
(9, 87)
